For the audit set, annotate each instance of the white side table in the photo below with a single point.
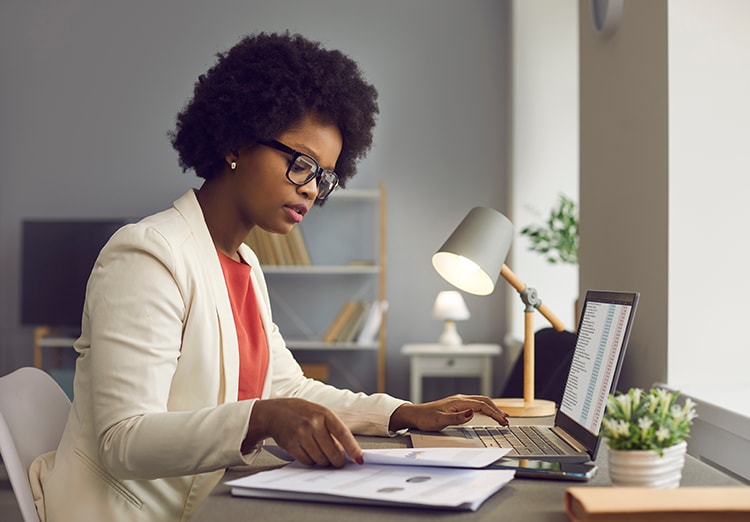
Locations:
(437, 360)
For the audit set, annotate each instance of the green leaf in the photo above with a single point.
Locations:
(557, 240)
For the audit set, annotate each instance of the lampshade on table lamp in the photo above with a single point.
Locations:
(450, 307)
(472, 259)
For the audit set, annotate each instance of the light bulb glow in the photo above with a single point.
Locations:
(467, 265)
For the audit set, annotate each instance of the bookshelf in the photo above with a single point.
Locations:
(61, 363)
(342, 262)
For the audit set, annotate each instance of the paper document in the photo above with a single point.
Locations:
(438, 457)
(376, 484)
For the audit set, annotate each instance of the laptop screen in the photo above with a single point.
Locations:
(602, 337)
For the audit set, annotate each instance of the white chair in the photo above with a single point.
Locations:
(33, 413)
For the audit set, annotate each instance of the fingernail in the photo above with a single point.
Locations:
(469, 414)
(360, 460)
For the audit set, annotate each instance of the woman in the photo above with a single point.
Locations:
(181, 371)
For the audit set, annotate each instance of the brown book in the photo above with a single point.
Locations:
(300, 255)
(689, 504)
(354, 325)
(348, 309)
(281, 249)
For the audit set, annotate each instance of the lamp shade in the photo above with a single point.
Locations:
(471, 258)
(449, 305)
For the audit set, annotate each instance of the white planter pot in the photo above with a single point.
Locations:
(645, 468)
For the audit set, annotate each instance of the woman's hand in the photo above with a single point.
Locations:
(436, 415)
(310, 433)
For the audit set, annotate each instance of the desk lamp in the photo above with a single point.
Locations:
(450, 307)
(471, 259)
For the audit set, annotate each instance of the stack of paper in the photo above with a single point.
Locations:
(445, 478)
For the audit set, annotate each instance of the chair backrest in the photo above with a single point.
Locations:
(33, 413)
(554, 355)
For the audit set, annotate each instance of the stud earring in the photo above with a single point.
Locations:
(233, 165)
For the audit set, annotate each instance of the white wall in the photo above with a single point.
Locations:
(709, 185)
(544, 146)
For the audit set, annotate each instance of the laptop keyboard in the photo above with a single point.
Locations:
(523, 440)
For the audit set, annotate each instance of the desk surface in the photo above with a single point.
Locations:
(522, 499)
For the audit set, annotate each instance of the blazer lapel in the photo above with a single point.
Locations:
(228, 347)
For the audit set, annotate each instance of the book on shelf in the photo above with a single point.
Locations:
(368, 333)
(298, 247)
(347, 325)
(280, 246)
(354, 325)
(345, 314)
(279, 249)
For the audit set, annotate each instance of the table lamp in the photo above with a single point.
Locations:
(450, 307)
(471, 259)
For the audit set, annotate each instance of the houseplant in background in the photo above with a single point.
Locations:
(557, 239)
(645, 433)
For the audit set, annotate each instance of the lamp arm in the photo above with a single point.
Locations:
(521, 288)
(555, 321)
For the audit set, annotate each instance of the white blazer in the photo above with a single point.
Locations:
(155, 419)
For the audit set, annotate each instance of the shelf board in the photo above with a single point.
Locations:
(61, 342)
(293, 345)
(352, 193)
(321, 269)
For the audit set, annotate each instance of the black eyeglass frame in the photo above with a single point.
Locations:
(317, 174)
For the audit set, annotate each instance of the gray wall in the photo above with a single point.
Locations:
(624, 175)
(90, 88)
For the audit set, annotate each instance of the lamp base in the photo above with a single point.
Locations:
(450, 336)
(522, 408)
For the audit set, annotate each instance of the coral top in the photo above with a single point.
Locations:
(250, 333)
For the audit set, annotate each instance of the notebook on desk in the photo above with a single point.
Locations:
(601, 340)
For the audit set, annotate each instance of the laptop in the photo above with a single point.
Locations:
(602, 336)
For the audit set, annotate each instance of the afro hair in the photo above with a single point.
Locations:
(264, 85)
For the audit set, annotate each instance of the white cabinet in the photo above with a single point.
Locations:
(437, 360)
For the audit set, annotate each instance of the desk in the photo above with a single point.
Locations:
(522, 499)
(438, 360)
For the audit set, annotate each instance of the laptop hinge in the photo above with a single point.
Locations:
(567, 438)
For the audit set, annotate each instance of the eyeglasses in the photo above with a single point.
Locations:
(303, 169)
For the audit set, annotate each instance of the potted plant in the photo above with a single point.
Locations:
(557, 239)
(645, 433)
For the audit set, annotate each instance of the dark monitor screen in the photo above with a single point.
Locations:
(57, 258)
